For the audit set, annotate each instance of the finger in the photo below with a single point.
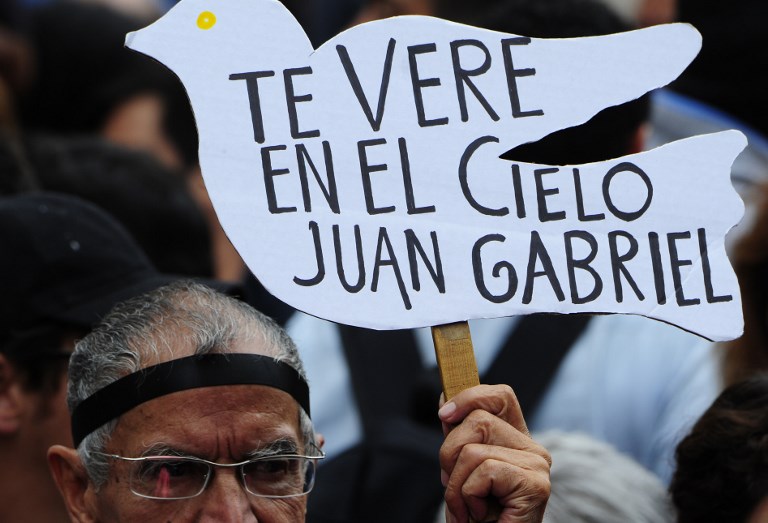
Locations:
(522, 493)
(473, 456)
(480, 427)
(498, 400)
(518, 480)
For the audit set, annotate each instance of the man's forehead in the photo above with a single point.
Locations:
(245, 399)
(211, 422)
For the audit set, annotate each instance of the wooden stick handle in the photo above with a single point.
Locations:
(458, 368)
(455, 357)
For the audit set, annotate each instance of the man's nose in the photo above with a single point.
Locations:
(225, 500)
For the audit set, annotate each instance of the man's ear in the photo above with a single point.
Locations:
(72, 480)
(10, 399)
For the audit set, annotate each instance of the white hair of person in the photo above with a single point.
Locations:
(144, 330)
(594, 483)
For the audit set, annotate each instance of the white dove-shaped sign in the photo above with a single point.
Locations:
(361, 182)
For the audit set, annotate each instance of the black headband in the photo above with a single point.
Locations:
(192, 372)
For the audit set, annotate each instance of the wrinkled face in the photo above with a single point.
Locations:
(225, 424)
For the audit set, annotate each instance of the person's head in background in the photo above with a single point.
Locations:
(63, 264)
(722, 465)
(87, 82)
(153, 202)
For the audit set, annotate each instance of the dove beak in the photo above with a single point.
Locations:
(140, 41)
(130, 40)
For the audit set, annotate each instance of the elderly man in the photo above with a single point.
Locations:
(191, 406)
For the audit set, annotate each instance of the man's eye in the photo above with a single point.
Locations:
(274, 469)
(168, 468)
(169, 478)
(270, 466)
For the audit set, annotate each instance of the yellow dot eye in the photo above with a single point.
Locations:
(206, 20)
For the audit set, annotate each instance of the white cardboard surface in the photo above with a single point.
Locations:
(418, 174)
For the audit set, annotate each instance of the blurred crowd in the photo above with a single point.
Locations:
(102, 198)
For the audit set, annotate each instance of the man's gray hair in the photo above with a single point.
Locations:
(594, 483)
(144, 330)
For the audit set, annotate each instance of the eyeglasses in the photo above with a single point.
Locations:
(183, 477)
